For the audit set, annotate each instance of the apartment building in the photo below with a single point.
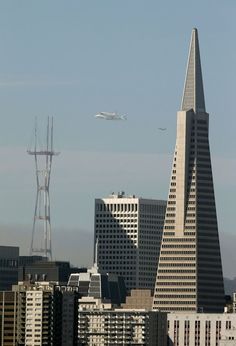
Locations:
(105, 327)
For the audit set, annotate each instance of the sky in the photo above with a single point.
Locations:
(73, 59)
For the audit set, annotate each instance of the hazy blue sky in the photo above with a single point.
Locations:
(72, 59)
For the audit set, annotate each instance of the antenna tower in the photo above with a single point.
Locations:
(41, 242)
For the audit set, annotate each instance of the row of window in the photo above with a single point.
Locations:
(178, 246)
(116, 226)
(178, 252)
(177, 283)
(173, 289)
(176, 271)
(178, 258)
(177, 296)
(192, 277)
(208, 325)
(116, 257)
(177, 302)
(8, 263)
(112, 220)
(179, 240)
(116, 207)
(118, 246)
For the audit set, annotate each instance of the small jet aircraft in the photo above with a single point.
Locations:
(110, 116)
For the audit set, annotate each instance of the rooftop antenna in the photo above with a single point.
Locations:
(96, 254)
(94, 269)
(43, 163)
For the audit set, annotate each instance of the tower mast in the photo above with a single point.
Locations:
(43, 164)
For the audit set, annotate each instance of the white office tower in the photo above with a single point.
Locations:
(189, 276)
(128, 233)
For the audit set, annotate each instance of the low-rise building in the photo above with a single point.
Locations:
(105, 327)
(201, 329)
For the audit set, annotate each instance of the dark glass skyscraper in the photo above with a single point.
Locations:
(9, 257)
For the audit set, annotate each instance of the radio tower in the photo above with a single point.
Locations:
(41, 242)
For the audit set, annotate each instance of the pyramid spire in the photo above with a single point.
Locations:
(189, 275)
(193, 96)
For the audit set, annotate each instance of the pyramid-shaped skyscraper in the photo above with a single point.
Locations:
(189, 275)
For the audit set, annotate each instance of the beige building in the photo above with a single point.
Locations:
(189, 276)
(45, 313)
(139, 299)
(128, 232)
(193, 329)
(39, 313)
(35, 306)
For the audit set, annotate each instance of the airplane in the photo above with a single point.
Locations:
(110, 116)
(162, 128)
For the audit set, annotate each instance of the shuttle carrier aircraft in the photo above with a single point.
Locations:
(110, 116)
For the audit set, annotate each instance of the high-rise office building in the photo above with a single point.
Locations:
(128, 233)
(189, 276)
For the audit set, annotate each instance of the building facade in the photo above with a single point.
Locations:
(189, 276)
(39, 314)
(8, 318)
(104, 286)
(69, 311)
(9, 256)
(139, 299)
(102, 327)
(128, 233)
(193, 329)
(234, 302)
(50, 271)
